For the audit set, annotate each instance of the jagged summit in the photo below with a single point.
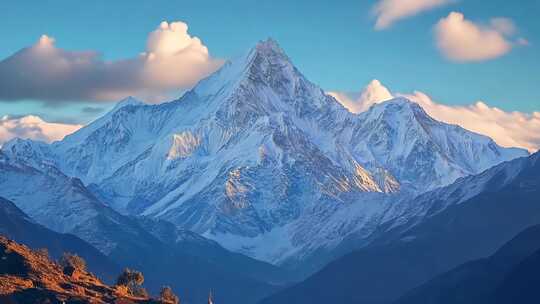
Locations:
(403, 114)
(269, 44)
(271, 58)
(269, 48)
(264, 64)
(130, 100)
(398, 106)
(398, 103)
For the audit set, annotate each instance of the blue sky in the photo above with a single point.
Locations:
(333, 43)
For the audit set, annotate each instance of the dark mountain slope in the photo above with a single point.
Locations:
(521, 284)
(16, 225)
(477, 281)
(196, 245)
(452, 232)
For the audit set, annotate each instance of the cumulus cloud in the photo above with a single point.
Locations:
(508, 129)
(390, 11)
(462, 40)
(33, 127)
(373, 93)
(173, 60)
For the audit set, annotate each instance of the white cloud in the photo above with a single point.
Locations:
(390, 11)
(508, 129)
(173, 61)
(33, 127)
(373, 93)
(462, 40)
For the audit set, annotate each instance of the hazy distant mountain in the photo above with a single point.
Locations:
(467, 220)
(261, 160)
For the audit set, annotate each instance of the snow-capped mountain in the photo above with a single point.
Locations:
(261, 160)
(65, 205)
(422, 152)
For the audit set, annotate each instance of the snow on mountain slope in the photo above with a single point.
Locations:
(422, 152)
(63, 204)
(256, 154)
(490, 181)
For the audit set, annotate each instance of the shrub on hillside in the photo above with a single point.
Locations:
(139, 291)
(72, 264)
(133, 281)
(167, 295)
(73, 260)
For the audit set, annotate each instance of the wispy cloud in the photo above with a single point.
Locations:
(508, 129)
(33, 127)
(462, 40)
(173, 60)
(390, 11)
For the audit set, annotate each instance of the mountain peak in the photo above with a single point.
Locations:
(268, 56)
(268, 46)
(130, 100)
(266, 64)
(400, 106)
(400, 102)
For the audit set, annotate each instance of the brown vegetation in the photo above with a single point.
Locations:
(167, 295)
(28, 276)
(132, 280)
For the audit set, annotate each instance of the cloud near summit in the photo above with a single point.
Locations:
(508, 129)
(391, 11)
(173, 60)
(33, 127)
(373, 93)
